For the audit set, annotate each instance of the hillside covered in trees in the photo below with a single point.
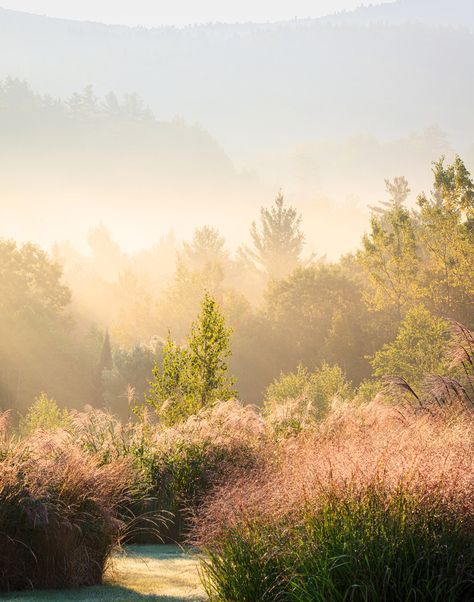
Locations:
(228, 78)
(215, 118)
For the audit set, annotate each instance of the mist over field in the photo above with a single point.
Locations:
(324, 109)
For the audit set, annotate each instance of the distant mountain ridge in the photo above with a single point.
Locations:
(376, 69)
(324, 108)
(438, 13)
(435, 13)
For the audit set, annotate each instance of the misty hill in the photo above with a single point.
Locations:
(325, 110)
(67, 164)
(114, 141)
(436, 13)
(254, 87)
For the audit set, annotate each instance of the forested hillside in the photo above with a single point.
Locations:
(278, 83)
(437, 13)
(237, 303)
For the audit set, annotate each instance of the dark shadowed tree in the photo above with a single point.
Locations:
(106, 364)
(40, 348)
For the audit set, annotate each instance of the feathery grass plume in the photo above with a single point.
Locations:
(60, 512)
(461, 348)
(376, 504)
(438, 392)
(176, 466)
(5, 418)
(193, 457)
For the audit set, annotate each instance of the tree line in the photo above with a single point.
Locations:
(373, 310)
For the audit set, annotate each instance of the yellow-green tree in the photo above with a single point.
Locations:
(447, 241)
(195, 376)
(418, 349)
(390, 258)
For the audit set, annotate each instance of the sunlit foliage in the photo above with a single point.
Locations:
(194, 376)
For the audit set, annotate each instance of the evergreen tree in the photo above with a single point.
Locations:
(398, 192)
(278, 242)
(105, 364)
(106, 361)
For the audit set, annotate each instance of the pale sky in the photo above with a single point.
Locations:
(181, 12)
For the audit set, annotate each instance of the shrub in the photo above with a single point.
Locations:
(59, 513)
(443, 392)
(177, 466)
(214, 446)
(418, 349)
(303, 397)
(43, 414)
(368, 390)
(374, 506)
(368, 545)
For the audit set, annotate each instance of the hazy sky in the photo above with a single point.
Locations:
(181, 12)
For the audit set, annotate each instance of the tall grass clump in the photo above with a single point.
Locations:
(195, 456)
(59, 512)
(177, 465)
(375, 506)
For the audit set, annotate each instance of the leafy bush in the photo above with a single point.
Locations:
(302, 397)
(440, 392)
(44, 414)
(59, 513)
(367, 391)
(418, 350)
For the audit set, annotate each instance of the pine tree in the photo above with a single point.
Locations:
(398, 192)
(278, 242)
(105, 363)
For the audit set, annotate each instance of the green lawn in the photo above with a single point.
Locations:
(140, 574)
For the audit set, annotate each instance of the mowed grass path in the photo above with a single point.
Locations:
(139, 574)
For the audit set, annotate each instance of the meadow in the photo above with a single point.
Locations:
(371, 501)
